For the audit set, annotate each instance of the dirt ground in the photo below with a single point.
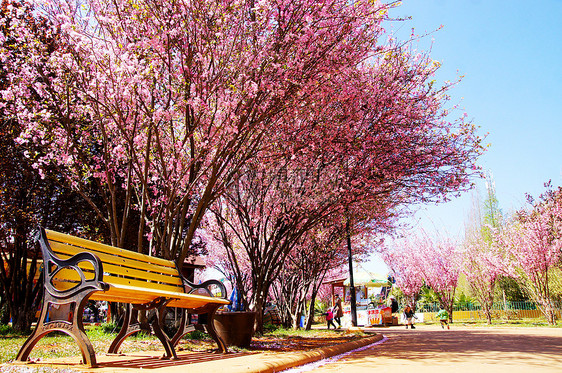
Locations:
(295, 343)
(269, 343)
(429, 349)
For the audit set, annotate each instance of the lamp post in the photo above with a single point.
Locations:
(351, 283)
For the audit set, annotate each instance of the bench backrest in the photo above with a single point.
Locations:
(120, 267)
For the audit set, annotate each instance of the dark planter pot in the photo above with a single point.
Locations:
(235, 328)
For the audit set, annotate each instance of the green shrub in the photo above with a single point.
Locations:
(197, 335)
(108, 328)
(268, 328)
(6, 330)
(101, 330)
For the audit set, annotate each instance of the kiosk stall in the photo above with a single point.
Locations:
(371, 293)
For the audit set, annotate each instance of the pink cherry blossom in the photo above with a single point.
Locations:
(533, 241)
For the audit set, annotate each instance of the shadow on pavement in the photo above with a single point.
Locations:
(455, 346)
(143, 362)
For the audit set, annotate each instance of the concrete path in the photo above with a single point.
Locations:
(429, 349)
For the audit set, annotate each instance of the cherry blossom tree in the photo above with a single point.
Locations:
(422, 260)
(158, 104)
(535, 245)
(263, 222)
(402, 257)
(441, 263)
(304, 270)
(27, 198)
(484, 262)
(345, 160)
(316, 255)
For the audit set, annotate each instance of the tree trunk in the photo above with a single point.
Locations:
(21, 320)
(259, 303)
(310, 318)
(549, 313)
(296, 320)
(18, 283)
(300, 307)
(488, 314)
(4, 312)
(259, 318)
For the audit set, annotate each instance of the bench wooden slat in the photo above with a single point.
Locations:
(111, 271)
(97, 247)
(138, 273)
(72, 278)
(139, 298)
(131, 294)
(120, 298)
(64, 252)
(141, 285)
(126, 296)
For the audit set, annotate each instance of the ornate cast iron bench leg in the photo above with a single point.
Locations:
(185, 328)
(74, 328)
(75, 299)
(223, 348)
(131, 325)
(205, 288)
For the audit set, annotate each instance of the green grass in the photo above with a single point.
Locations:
(313, 333)
(57, 345)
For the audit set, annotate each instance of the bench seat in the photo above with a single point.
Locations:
(131, 294)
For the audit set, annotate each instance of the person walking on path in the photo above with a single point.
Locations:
(409, 316)
(338, 311)
(443, 317)
(330, 318)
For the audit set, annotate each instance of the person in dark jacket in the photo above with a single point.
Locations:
(393, 304)
(338, 310)
(409, 316)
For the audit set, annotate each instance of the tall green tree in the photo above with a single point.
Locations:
(492, 217)
(485, 262)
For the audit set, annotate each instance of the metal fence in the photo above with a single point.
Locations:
(499, 306)
(500, 310)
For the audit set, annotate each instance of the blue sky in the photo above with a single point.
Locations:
(509, 53)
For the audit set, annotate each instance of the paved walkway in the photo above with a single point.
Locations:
(429, 349)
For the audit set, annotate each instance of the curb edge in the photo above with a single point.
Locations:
(303, 358)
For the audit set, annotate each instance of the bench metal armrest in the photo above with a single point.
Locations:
(50, 259)
(203, 288)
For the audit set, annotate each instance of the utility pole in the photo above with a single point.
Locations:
(351, 283)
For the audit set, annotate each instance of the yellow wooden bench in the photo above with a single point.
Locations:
(78, 270)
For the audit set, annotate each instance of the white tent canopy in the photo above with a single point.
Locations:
(362, 277)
